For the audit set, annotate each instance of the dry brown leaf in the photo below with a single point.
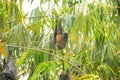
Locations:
(2, 50)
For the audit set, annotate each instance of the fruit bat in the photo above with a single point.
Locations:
(60, 37)
(9, 69)
(64, 76)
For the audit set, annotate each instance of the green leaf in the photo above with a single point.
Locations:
(23, 57)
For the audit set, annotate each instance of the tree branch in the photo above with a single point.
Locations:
(43, 50)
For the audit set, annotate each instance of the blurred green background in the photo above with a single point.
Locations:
(93, 48)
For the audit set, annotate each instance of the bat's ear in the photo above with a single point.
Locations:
(60, 29)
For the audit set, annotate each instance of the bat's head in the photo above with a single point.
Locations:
(59, 31)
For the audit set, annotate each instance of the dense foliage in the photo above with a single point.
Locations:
(93, 47)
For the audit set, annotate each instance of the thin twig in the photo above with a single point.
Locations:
(28, 18)
(38, 16)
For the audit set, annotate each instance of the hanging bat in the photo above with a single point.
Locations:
(9, 69)
(60, 37)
